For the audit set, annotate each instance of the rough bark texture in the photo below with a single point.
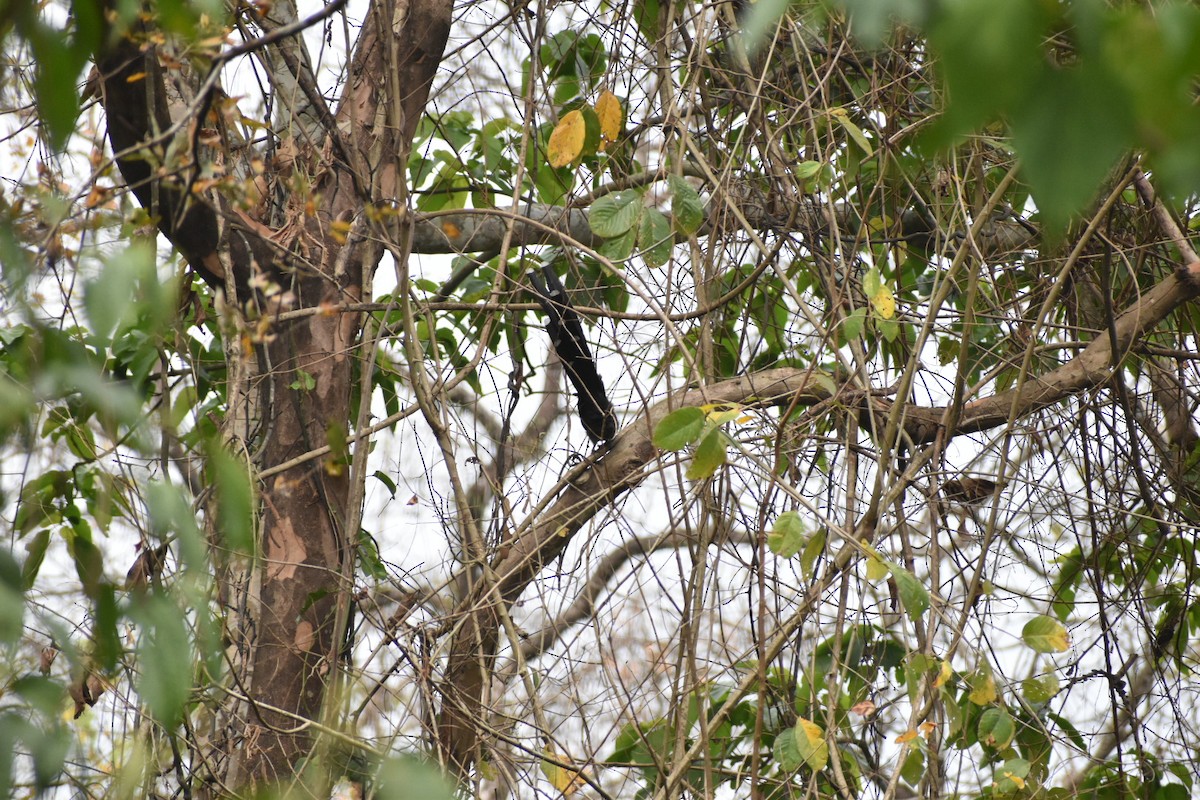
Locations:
(296, 612)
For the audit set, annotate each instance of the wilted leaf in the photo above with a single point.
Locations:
(566, 140)
(983, 688)
(565, 780)
(884, 302)
(811, 744)
(611, 116)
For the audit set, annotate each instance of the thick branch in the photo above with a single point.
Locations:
(135, 99)
(623, 467)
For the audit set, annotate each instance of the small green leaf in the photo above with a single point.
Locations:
(710, 454)
(230, 480)
(807, 170)
(913, 594)
(686, 206)
(655, 238)
(1045, 634)
(679, 429)
(853, 324)
(787, 535)
(369, 560)
(1040, 690)
(304, 382)
(387, 481)
(813, 549)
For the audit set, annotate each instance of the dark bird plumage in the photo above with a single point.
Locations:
(566, 334)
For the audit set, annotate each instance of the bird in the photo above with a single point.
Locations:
(566, 335)
(968, 491)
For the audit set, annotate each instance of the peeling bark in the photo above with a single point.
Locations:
(291, 606)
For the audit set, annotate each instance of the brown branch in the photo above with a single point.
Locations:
(596, 486)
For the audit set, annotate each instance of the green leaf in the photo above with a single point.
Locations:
(387, 481)
(913, 768)
(1069, 135)
(989, 55)
(230, 479)
(872, 282)
(645, 15)
(913, 594)
(996, 728)
(687, 208)
(853, 324)
(619, 248)
(813, 549)
(655, 238)
(710, 454)
(679, 429)
(616, 213)
(369, 560)
(803, 745)
(787, 535)
(807, 170)
(1046, 635)
(1068, 727)
(164, 677)
(407, 778)
(1041, 689)
(12, 598)
(111, 298)
(1010, 776)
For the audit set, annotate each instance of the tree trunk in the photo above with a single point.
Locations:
(289, 605)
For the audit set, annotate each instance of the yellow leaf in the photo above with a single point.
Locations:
(927, 728)
(876, 569)
(983, 690)
(566, 141)
(811, 744)
(612, 118)
(944, 675)
(907, 736)
(884, 302)
(1020, 782)
(339, 230)
(564, 780)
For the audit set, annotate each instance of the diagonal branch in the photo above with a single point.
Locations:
(595, 486)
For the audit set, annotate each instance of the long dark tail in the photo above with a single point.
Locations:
(566, 334)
